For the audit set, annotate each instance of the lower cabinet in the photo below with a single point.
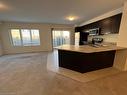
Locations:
(85, 62)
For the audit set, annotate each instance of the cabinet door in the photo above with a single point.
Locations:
(78, 29)
(116, 23)
(110, 25)
(83, 38)
(95, 25)
(106, 26)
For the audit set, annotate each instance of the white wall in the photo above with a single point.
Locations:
(122, 39)
(1, 52)
(45, 36)
(0, 40)
(121, 55)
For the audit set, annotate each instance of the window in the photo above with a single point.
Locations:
(16, 38)
(25, 37)
(60, 37)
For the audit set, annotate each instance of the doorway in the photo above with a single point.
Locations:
(60, 37)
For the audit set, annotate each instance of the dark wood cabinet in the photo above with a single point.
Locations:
(77, 29)
(85, 62)
(83, 38)
(108, 25)
(90, 26)
(116, 21)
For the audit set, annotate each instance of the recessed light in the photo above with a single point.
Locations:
(3, 6)
(71, 18)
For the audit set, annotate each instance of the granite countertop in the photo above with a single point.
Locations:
(89, 49)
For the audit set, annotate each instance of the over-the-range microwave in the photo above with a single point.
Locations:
(93, 32)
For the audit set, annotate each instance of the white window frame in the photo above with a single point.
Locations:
(11, 39)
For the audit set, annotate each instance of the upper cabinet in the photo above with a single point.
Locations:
(108, 25)
(78, 29)
(116, 23)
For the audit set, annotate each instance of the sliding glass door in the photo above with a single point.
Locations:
(60, 37)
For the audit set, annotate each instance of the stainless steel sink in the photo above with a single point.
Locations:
(98, 45)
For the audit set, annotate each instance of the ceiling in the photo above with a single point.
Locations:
(55, 11)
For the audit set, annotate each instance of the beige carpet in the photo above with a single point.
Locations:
(27, 74)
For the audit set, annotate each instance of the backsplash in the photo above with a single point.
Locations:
(107, 38)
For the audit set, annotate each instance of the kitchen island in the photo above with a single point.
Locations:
(86, 58)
